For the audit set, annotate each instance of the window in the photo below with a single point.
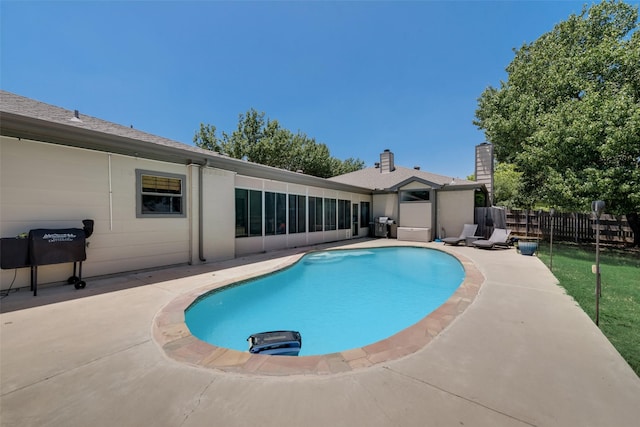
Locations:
(275, 215)
(414, 196)
(344, 214)
(315, 214)
(248, 213)
(159, 194)
(297, 213)
(255, 213)
(242, 213)
(365, 217)
(329, 214)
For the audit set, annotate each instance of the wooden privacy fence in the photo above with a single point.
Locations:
(576, 227)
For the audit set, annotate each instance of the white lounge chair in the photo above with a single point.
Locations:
(467, 231)
(499, 237)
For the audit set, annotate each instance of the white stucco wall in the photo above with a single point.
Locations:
(385, 205)
(416, 185)
(450, 209)
(52, 186)
(455, 208)
(416, 214)
(219, 221)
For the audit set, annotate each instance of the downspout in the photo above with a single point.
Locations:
(200, 215)
(110, 197)
(436, 218)
(190, 210)
(397, 194)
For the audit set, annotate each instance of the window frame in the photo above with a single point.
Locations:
(275, 213)
(297, 213)
(251, 204)
(256, 213)
(315, 214)
(405, 193)
(330, 214)
(344, 214)
(140, 194)
(365, 214)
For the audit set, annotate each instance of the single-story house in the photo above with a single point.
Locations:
(157, 202)
(423, 205)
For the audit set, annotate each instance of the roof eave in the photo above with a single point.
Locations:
(457, 187)
(18, 126)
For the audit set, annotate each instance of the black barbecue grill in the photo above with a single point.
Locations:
(46, 246)
(382, 226)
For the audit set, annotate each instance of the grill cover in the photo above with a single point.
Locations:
(56, 246)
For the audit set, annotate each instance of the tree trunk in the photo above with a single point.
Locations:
(634, 223)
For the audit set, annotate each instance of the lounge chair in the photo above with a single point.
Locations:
(467, 231)
(499, 237)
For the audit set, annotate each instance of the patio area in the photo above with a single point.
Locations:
(521, 352)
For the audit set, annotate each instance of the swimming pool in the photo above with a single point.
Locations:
(337, 300)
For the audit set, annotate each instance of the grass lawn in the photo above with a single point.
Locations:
(620, 281)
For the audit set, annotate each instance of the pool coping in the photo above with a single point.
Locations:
(172, 335)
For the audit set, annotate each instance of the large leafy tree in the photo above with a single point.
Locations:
(266, 142)
(506, 184)
(568, 116)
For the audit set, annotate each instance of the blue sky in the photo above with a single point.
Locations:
(358, 76)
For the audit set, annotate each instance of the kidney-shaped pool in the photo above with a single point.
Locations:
(337, 300)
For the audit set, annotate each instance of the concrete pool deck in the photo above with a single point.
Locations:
(522, 353)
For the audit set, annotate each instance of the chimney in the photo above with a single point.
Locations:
(386, 161)
(484, 166)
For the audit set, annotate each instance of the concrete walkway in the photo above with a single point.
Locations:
(521, 354)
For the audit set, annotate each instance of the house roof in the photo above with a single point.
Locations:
(376, 179)
(22, 117)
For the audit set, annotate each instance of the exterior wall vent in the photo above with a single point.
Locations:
(76, 116)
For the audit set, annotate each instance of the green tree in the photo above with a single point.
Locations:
(267, 143)
(506, 186)
(351, 164)
(206, 138)
(568, 116)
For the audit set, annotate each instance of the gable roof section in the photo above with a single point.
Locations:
(22, 117)
(407, 181)
(390, 181)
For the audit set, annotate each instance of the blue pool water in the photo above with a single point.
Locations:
(337, 300)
